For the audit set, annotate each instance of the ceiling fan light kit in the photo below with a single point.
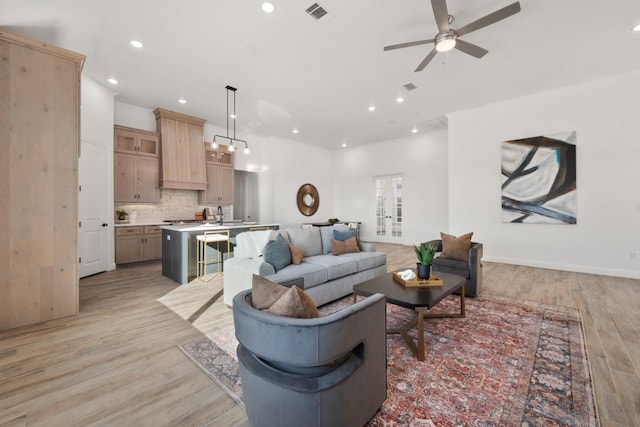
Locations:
(448, 38)
(445, 42)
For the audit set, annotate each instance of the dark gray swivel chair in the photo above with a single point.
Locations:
(472, 270)
(329, 371)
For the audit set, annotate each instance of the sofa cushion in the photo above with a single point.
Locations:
(296, 254)
(367, 260)
(327, 234)
(348, 246)
(277, 253)
(281, 300)
(307, 239)
(336, 266)
(456, 247)
(313, 274)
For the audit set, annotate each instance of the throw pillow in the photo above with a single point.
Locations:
(264, 292)
(294, 303)
(343, 235)
(280, 300)
(277, 253)
(456, 247)
(348, 246)
(296, 254)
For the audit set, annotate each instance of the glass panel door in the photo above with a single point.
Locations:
(388, 208)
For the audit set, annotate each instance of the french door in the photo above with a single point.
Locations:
(388, 208)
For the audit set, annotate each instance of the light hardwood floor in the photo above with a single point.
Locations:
(117, 364)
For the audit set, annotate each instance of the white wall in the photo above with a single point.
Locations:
(421, 159)
(282, 165)
(605, 115)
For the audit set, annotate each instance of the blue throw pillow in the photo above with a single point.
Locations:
(344, 235)
(277, 253)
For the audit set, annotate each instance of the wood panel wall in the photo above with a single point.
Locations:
(39, 143)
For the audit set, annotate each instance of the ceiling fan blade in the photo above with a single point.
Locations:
(470, 48)
(408, 44)
(427, 59)
(441, 13)
(491, 18)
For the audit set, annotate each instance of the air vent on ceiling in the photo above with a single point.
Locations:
(316, 11)
(410, 86)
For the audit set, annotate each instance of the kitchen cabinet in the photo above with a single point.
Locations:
(182, 152)
(220, 179)
(138, 243)
(39, 146)
(136, 166)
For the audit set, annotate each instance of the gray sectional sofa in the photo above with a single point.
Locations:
(325, 277)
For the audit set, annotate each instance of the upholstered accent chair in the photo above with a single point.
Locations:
(472, 269)
(326, 371)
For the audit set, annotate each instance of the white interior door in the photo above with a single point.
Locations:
(95, 223)
(388, 208)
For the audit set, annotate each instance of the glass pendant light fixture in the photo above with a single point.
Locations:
(232, 140)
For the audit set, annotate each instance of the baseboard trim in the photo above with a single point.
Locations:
(631, 274)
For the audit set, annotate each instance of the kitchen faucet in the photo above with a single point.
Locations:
(220, 214)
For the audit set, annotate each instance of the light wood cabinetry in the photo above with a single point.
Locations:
(136, 166)
(138, 243)
(220, 176)
(182, 151)
(39, 148)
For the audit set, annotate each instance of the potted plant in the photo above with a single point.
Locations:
(121, 214)
(425, 254)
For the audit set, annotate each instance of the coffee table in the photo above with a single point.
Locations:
(418, 299)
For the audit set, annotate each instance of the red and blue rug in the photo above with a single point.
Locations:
(508, 363)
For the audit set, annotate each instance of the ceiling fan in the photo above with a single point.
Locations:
(448, 38)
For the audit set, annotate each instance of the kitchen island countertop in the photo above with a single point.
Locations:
(216, 226)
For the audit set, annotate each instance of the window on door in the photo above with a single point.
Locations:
(388, 208)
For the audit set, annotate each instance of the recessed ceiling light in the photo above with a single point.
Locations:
(372, 108)
(344, 145)
(268, 7)
(414, 130)
(182, 101)
(636, 28)
(112, 81)
(136, 43)
(399, 99)
(295, 130)
(233, 116)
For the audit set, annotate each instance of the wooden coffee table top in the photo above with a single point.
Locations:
(410, 297)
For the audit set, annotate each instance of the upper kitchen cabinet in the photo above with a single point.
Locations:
(219, 176)
(39, 142)
(182, 151)
(136, 166)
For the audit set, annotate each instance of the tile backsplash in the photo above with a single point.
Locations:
(174, 204)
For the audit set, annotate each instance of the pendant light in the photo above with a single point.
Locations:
(232, 140)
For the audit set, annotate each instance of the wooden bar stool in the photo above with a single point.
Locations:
(208, 239)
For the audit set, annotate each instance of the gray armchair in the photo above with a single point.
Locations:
(471, 270)
(328, 371)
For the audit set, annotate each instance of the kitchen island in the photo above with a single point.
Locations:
(179, 247)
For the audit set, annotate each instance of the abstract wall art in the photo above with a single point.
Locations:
(539, 180)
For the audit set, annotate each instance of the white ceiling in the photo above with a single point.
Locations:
(321, 76)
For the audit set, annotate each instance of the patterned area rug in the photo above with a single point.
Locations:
(507, 363)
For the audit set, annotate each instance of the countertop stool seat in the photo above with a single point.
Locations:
(209, 238)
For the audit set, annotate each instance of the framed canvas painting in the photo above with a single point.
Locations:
(539, 180)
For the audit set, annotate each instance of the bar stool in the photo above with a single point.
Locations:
(204, 240)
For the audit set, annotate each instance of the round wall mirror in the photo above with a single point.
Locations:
(308, 199)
